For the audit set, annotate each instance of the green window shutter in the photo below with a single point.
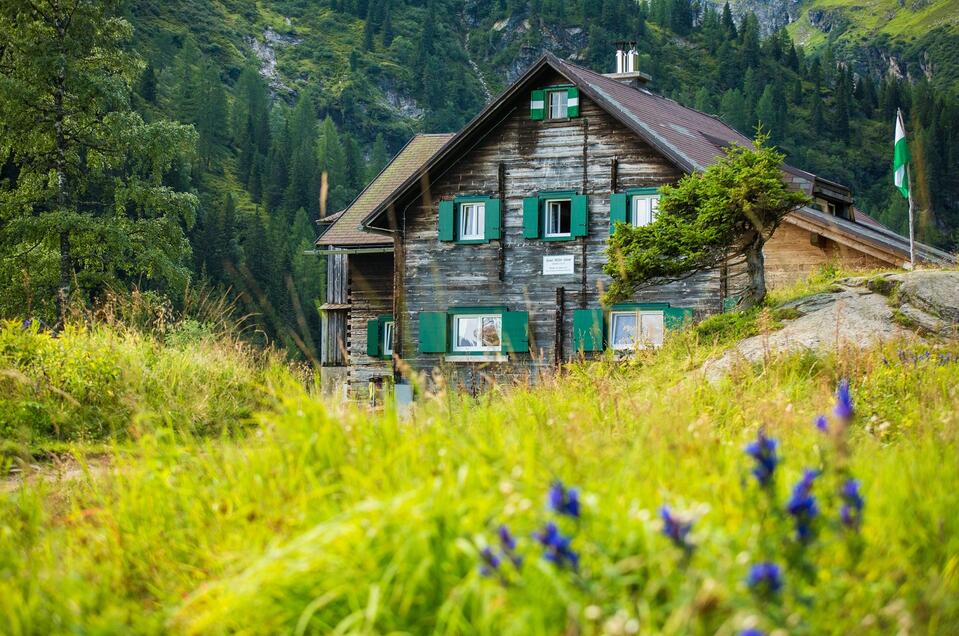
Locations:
(580, 215)
(432, 332)
(676, 317)
(531, 217)
(537, 105)
(373, 344)
(572, 101)
(515, 331)
(588, 329)
(447, 216)
(618, 205)
(492, 220)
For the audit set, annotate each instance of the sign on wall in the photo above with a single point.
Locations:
(558, 265)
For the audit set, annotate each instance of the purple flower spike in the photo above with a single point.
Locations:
(802, 505)
(675, 528)
(822, 423)
(752, 631)
(844, 407)
(490, 562)
(564, 501)
(557, 548)
(765, 578)
(763, 450)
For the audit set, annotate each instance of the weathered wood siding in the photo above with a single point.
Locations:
(371, 295)
(567, 155)
(791, 254)
(333, 330)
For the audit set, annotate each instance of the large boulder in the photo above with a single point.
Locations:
(857, 312)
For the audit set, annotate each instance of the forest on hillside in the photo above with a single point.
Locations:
(205, 148)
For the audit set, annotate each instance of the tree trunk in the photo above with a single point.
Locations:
(755, 266)
(66, 261)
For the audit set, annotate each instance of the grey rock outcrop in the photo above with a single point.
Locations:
(857, 312)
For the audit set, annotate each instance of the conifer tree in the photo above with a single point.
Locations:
(67, 78)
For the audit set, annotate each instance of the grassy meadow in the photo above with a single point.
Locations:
(324, 518)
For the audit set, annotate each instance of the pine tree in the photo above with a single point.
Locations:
(378, 158)
(332, 161)
(734, 111)
(68, 78)
(728, 24)
(387, 25)
(148, 85)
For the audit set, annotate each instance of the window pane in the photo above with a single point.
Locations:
(467, 332)
(471, 220)
(491, 331)
(558, 104)
(624, 330)
(388, 338)
(558, 218)
(652, 329)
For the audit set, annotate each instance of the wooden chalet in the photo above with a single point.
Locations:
(480, 253)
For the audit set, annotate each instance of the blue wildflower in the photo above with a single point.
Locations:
(822, 423)
(802, 505)
(752, 631)
(676, 528)
(763, 450)
(508, 544)
(556, 547)
(562, 500)
(851, 511)
(765, 577)
(844, 407)
(490, 562)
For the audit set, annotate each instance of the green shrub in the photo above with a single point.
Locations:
(95, 384)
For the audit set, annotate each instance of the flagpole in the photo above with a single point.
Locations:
(912, 237)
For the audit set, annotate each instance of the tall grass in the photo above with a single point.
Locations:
(332, 519)
(99, 383)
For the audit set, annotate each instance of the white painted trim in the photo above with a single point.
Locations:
(489, 357)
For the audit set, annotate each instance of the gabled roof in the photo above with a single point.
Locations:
(689, 138)
(874, 238)
(344, 230)
(692, 140)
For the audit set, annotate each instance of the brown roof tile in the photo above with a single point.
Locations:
(345, 229)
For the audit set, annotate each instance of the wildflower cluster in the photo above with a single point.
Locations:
(491, 559)
(676, 528)
(909, 357)
(763, 450)
(563, 501)
(765, 578)
(844, 410)
(557, 547)
(802, 505)
(851, 511)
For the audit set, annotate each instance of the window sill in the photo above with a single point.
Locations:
(470, 241)
(558, 239)
(473, 357)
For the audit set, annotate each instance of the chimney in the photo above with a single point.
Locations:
(627, 65)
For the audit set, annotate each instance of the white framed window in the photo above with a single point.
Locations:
(559, 218)
(388, 338)
(636, 329)
(558, 102)
(472, 221)
(644, 209)
(477, 332)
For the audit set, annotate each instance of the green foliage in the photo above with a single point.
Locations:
(102, 384)
(729, 209)
(339, 520)
(86, 172)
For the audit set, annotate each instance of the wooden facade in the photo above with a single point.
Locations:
(617, 140)
(518, 159)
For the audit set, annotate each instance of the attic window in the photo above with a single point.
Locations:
(472, 221)
(554, 103)
(644, 209)
(558, 104)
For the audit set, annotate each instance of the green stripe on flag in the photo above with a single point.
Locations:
(900, 158)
